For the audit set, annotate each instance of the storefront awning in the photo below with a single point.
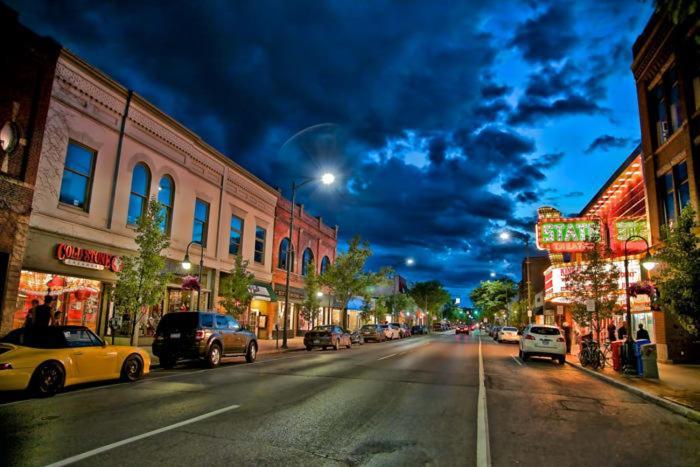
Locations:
(263, 292)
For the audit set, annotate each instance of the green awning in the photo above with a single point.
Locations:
(263, 291)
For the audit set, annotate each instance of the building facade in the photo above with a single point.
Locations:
(28, 64)
(105, 152)
(312, 242)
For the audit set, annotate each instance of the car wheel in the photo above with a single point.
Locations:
(520, 354)
(349, 346)
(167, 362)
(214, 356)
(48, 379)
(251, 353)
(525, 356)
(336, 346)
(562, 359)
(308, 347)
(132, 369)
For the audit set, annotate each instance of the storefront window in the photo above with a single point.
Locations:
(77, 300)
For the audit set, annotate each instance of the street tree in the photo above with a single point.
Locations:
(429, 295)
(311, 305)
(595, 281)
(346, 277)
(493, 296)
(234, 289)
(141, 283)
(678, 278)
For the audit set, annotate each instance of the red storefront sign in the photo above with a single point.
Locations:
(84, 257)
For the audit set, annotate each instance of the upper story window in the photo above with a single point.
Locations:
(201, 222)
(166, 197)
(138, 199)
(282, 257)
(259, 255)
(236, 233)
(325, 264)
(665, 108)
(675, 192)
(77, 176)
(307, 259)
(696, 81)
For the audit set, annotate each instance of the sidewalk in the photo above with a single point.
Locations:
(679, 384)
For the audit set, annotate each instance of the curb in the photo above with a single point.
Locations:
(687, 412)
(274, 352)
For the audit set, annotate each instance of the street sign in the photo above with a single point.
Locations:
(590, 305)
(560, 309)
(529, 313)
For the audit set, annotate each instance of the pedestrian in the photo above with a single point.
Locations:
(567, 336)
(29, 320)
(611, 331)
(57, 319)
(42, 313)
(621, 332)
(642, 333)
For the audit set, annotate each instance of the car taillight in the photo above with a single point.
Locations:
(5, 366)
(199, 335)
(530, 337)
(560, 339)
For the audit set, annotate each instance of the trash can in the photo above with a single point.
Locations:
(649, 367)
(638, 354)
(616, 347)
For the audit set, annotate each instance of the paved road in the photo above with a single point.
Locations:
(407, 402)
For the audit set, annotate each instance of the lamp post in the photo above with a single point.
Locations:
(186, 265)
(506, 235)
(326, 179)
(408, 262)
(648, 263)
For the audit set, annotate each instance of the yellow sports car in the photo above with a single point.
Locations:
(46, 359)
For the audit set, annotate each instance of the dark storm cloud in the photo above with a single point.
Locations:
(532, 111)
(548, 36)
(493, 90)
(606, 143)
(437, 149)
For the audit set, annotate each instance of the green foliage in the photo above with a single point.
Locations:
(597, 279)
(452, 312)
(492, 297)
(518, 314)
(680, 11)
(679, 274)
(234, 289)
(430, 296)
(346, 278)
(310, 308)
(141, 283)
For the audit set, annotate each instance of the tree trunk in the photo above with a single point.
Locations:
(134, 341)
(345, 317)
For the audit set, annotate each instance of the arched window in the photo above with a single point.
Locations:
(166, 196)
(325, 263)
(282, 259)
(306, 260)
(138, 199)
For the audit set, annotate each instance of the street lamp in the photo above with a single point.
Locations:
(186, 265)
(326, 179)
(493, 274)
(648, 263)
(506, 236)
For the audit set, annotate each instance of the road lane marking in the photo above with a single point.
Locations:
(517, 360)
(483, 454)
(108, 447)
(388, 356)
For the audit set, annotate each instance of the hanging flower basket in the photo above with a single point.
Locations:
(643, 288)
(190, 283)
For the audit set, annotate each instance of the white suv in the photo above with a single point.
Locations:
(542, 340)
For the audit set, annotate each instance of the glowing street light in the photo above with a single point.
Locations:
(327, 178)
(319, 294)
(493, 274)
(505, 235)
(410, 262)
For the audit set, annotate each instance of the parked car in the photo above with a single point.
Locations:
(327, 336)
(462, 329)
(356, 337)
(508, 334)
(494, 331)
(372, 332)
(404, 330)
(391, 331)
(206, 336)
(47, 359)
(419, 329)
(542, 340)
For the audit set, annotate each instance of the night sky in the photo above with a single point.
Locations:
(446, 121)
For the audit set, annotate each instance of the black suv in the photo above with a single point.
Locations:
(203, 335)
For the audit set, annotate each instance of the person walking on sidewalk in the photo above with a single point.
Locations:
(43, 313)
(642, 333)
(611, 331)
(621, 332)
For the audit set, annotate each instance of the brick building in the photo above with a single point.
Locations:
(28, 64)
(312, 241)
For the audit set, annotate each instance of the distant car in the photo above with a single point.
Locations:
(202, 335)
(508, 334)
(47, 359)
(419, 329)
(542, 340)
(356, 337)
(391, 331)
(494, 331)
(462, 329)
(327, 336)
(373, 332)
(404, 330)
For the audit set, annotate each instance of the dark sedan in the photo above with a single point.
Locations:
(356, 337)
(372, 332)
(419, 330)
(327, 336)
